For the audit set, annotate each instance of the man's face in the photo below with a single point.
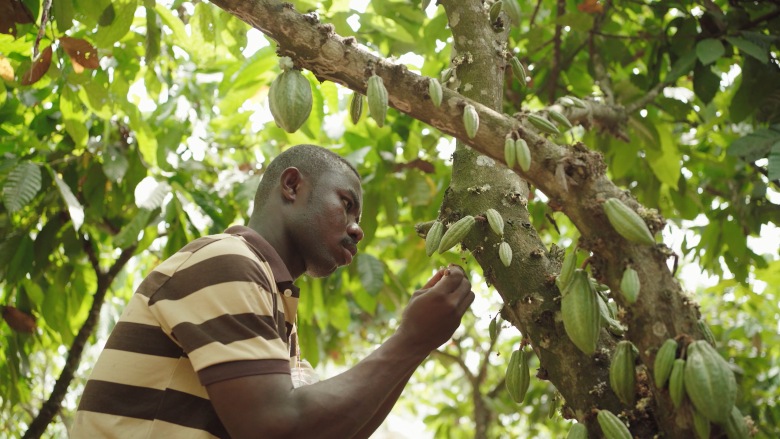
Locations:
(326, 222)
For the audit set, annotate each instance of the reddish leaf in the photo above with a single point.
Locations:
(81, 52)
(7, 23)
(18, 320)
(22, 14)
(39, 68)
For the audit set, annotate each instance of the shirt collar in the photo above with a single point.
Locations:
(282, 275)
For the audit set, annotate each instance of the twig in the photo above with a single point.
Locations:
(533, 15)
(41, 28)
(646, 99)
(555, 71)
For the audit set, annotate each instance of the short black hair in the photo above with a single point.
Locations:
(311, 160)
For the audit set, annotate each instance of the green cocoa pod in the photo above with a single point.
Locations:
(510, 154)
(495, 10)
(707, 332)
(622, 373)
(435, 91)
(377, 99)
(523, 154)
(567, 271)
(580, 311)
(709, 382)
(566, 101)
(677, 382)
(543, 124)
(289, 99)
(664, 360)
(446, 75)
(577, 431)
(560, 118)
(470, 120)
(627, 222)
(495, 221)
(493, 328)
(518, 70)
(577, 102)
(607, 320)
(512, 9)
(456, 233)
(505, 253)
(356, 107)
(518, 377)
(735, 425)
(629, 285)
(612, 426)
(433, 238)
(701, 425)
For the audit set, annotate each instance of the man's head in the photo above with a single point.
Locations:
(308, 206)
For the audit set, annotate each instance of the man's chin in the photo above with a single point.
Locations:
(321, 272)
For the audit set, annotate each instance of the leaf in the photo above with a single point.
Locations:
(773, 167)
(705, 83)
(81, 51)
(153, 35)
(754, 146)
(121, 18)
(665, 159)
(750, 48)
(709, 50)
(73, 116)
(63, 14)
(39, 68)
(149, 198)
(114, 163)
(682, 66)
(129, 233)
(75, 209)
(108, 15)
(21, 186)
(371, 272)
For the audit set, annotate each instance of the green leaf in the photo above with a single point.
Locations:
(665, 160)
(115, 163)
(773, 167)
(754, 146)
(75, 209)
(705, 83)
(371, 272)
(709, 50)
(73, 117)
(129, 233)
(21, 186)
(63, 14)
(109, 32)
(682, 66)
(750, 48)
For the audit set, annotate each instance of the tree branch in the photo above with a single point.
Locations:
(555, 70)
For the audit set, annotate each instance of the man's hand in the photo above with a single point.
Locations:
(434, 312)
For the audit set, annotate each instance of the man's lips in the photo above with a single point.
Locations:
(350, 251)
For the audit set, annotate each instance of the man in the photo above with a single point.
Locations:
(204, 347)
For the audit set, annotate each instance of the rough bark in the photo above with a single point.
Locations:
(573, 178)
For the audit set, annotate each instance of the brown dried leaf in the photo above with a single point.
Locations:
(6, 70)
(7, 22)
(22, 14)
(81, 52)
(18, 320)
(39, 68)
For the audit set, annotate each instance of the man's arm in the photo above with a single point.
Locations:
(343, 406)
(384, 410)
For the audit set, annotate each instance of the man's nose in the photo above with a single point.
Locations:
(355, 232)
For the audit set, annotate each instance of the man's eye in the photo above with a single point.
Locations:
(347, 204)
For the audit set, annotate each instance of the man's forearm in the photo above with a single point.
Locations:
(381, 414)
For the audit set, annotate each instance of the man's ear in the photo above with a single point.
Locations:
(290, 183)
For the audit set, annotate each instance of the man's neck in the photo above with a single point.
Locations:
(272, 232)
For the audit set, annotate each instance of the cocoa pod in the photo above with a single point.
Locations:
(577, 102)
(446, 75)
(470, 120)
(505, 253)
(377, 99)
(707, 333)
(567, 271)
(577, 431)
(518, 377)
(493, 328)
(566, 101)
(512, 9)
(495, 10)
(735, 425)
(435, 91)
(607, 319)
(677, 382)
(580, 311)
(433, 238)
(612, 426)
(543, 124)
(629, 285)
(701, 425)
(356, 107)
(709, 382)
(495, 221)
(664, 360)
(523, 154)
(509, 152)
(627, 222)
(456, 233)
(560, 118)
(622, 373)
(518, 70)
(289, 99)
(18, 320)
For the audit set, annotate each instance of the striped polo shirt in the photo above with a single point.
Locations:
(222, 307)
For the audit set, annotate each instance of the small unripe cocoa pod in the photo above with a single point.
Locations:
(560, 118)
(505, 253)
(456, 233)
(433, 238)
(577, 431)
(629, 285)
(518, 376)
(510, 153)
(627, 222)
(435, 91)
(567, 271)
(677, 382)
(735, 425)
(664, 360)
(356, 107)
(523, 154)
(707, 333)
(622, 373)
(701, 425)
(495, 221)
(566, 101)
(512, 8)
(543, 124)
(612, 426)
(470, 120)
(495, 10)
(709, 382)
(377, 99)
(518, 70)
(289, 100)
(493, 328)
(446, 75)
(580, 311)
(579, 103)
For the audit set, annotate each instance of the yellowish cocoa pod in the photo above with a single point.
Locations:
(435, 91)
(496, 221)
(356, 107)
(470, 120)
(627, 222)
(523, 154)
(505, 253)
(377, 99)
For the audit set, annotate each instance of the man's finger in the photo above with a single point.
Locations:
(466, 302)
(435, 278)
